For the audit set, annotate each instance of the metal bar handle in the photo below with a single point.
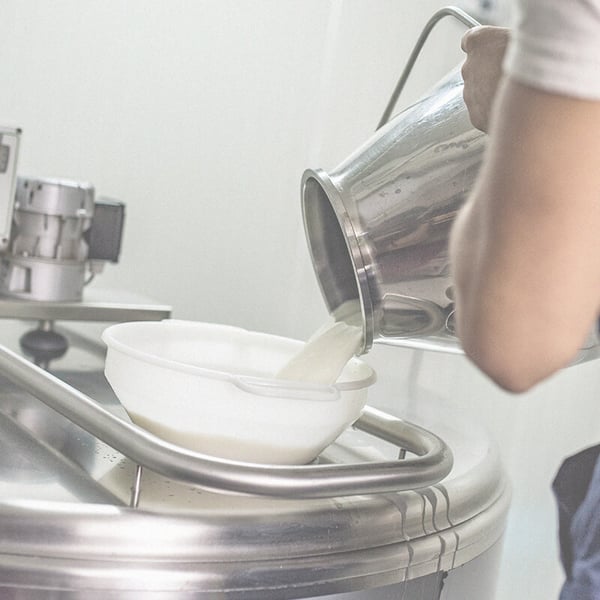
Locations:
(432, 463)
(452, 11)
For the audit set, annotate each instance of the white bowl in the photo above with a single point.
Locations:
(210, 388)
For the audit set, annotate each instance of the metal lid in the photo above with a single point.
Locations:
(56, 197)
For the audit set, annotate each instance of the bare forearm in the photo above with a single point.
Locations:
(526, 248)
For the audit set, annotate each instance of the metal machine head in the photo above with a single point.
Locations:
(50, 239)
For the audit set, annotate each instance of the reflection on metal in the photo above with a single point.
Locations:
(136, 488)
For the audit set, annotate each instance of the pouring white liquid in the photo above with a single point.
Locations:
(329, 349)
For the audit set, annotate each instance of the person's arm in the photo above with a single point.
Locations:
(525, 247)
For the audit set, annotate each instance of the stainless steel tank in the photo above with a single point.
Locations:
(68, 528)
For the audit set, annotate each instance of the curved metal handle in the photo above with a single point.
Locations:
(451, 11)
(432, 463)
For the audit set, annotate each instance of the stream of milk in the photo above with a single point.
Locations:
(329, 349)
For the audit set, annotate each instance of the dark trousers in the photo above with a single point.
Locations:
(577, 491)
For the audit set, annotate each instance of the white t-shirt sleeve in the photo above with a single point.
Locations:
(555, 46)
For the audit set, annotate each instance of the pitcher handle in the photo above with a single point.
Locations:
(452, 11)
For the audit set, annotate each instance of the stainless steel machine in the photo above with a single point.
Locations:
(54, 232)
(55, 237)
(80, 519)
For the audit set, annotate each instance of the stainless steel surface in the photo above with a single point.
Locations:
(66, 532)
(84, 311)
(448, 11)
(237, 554)
(432, 463)
(98, 305)
(9, 150)
(136, 488)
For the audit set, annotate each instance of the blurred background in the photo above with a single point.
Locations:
(201, 115)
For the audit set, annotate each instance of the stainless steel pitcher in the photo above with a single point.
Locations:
(378, 225)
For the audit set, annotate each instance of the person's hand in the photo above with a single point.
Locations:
(482, 71)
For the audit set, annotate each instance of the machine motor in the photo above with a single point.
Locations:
(54, 236)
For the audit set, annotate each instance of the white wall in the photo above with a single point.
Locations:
(201, 115)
